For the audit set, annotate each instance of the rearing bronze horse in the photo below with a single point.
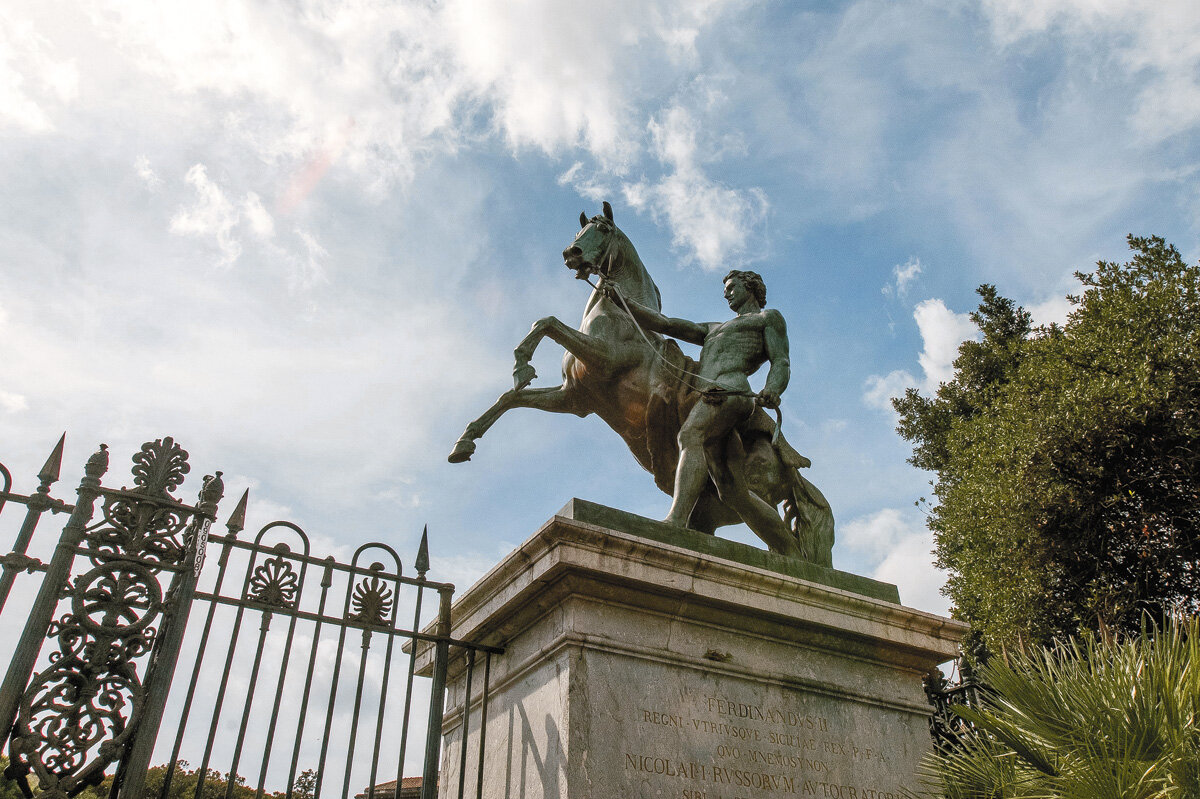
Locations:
(643, 387)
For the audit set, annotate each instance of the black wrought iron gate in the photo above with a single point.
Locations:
(138, 649)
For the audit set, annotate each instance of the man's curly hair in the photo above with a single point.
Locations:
(753, 281)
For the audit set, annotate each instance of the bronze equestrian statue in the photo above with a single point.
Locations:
(735, 465)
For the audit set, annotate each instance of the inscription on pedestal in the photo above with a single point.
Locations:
(713, 746)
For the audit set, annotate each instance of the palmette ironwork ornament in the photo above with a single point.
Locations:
(78, 714)
(275, 582)
(371, 602)
(159, 468)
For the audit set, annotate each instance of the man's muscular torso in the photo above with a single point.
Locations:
(734, 350)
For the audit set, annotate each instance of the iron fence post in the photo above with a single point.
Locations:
(160, 671)
(36, 504)
(437, 696)
(29, 646)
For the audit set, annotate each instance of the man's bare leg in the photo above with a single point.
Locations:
(705, 425)
(758, 514)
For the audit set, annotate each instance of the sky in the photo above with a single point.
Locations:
(303, 238)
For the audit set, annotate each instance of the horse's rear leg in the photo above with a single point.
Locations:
(555, 400)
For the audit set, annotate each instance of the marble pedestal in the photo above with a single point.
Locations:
(646, 661)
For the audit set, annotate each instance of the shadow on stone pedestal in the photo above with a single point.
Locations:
(647, 661)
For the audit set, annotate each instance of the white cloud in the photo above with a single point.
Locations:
(211, 216)
(588, 183)
(214, 216)
(142, 166)
(260, 220)
(11, 402)
(388, 82)
(1159, 42)
(31, 78)
(710, 222)
(878, 392)
(1054, 309)
(901, 547)
(904, 274)
(878, 532)
(942, 331)
(308, 271)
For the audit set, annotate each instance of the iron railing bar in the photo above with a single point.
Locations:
(383, 689)
(483, 703)
(363, 571)
(437, 698)
(358, 692)
(53, 505)
(263, 630)
(29, 646)
(280, 553)
(150, 499)
(160, 673)
(283, 668)
(357, 625)
(412, 665)
(326, 583)
(14, 566)
(333, 687)
(36, 504)
(222, 564)
(33, 515)
(220, 700)
(466, 725)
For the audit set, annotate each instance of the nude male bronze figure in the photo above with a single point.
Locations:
(730, 353)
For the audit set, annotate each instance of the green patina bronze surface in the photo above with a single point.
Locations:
(603, 516)
(696, 426)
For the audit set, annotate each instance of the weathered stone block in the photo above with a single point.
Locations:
(645, 661)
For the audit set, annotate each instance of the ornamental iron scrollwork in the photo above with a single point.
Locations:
(275, 582)
(81, 713)
(372, 599)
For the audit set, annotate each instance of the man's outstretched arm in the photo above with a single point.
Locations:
(651, 319)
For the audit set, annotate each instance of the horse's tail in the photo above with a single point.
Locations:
(810, 519)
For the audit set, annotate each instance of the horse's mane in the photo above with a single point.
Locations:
(622, 264)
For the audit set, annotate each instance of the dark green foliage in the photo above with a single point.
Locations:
(1084, 719)
(1066, 460)
(8, 788)
(183, 785)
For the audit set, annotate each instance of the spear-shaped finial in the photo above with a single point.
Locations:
(237, 519)
(50, 472)
(422, 563)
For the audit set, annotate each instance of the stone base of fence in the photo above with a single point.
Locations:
(646, 661)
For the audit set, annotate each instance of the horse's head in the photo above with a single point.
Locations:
(596, 245)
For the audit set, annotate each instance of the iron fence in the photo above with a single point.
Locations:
(946, 727)
(270, 684)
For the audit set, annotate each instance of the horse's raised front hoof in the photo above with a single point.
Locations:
(523, 375)
(463, 450)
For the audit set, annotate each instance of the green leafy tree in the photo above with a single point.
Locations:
(1083, 720)
(1066, 458)
(306, 784)
(183, 785)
